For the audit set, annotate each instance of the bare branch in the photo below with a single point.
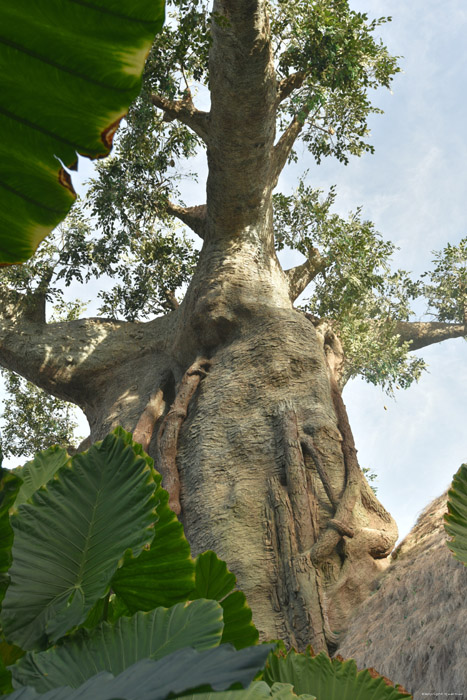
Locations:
(194, 217)
(286, 86)
(68, 359)
(299, 277)
(185, 112)
(421, 334)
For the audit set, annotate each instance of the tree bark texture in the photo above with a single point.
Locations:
(234, 393)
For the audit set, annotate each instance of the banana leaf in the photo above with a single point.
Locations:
(68, 73)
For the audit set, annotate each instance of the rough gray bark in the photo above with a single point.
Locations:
(234, 393)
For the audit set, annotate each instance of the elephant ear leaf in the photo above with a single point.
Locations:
(70, 538)
(333, 679)
(39, 471)
(214, 580)
(455, 521)
(173, 675)
(114, 648)
(68, 74)
(164, 574)
(9, 486)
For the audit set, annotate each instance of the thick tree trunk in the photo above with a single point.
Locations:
(235, 393)
(234, 398)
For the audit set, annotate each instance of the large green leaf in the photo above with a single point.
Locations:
(70, 538)
(327, 679)
(9, 486)
(258, 690)
(39, 471)
(114, 648)
(164, 574)
(178, 673)
(456, 519)
(214, 580)
(69, 69)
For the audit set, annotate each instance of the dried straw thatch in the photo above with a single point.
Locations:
(413, 628)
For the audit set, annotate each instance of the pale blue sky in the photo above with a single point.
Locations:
(414, 189)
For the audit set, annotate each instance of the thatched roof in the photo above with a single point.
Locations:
(413, 628)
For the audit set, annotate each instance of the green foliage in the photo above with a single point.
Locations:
(39, 471)
(32, 419)
(82, 64)
(90, 553)
(164, 573)
(175, 674)
(354, 286)
(59, 571)
(258, 690)
(327, 679)
(370, 476)
(9, 486)
(455, 521)
(334, 48)
(111, 647)
(446, 286)
(214, 580)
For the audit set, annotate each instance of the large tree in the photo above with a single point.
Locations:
(236, 393)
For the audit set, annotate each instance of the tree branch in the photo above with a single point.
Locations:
(185, 112)
(285, 144)
(69, 358)
(421, 334)
(286, 86)
(193, 217)
(299, 277)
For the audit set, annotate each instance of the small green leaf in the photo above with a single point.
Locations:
(239, 629)
(214, 580)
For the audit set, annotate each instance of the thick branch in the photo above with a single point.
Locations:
(285, 144)
(67, 359)
(422, 334)
(286, 86)
(194, 217)
(185, 112)
(299, 277)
